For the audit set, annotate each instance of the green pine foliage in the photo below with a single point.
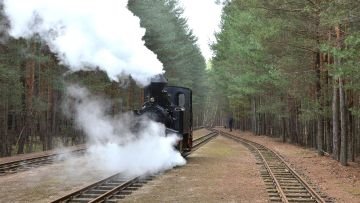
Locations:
(10, 76)
(28, 69)
(168, 35)
(276, 64)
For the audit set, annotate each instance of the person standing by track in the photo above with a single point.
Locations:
(231, 120)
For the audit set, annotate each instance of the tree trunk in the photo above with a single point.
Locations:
(54, 127)
(284, 129)
(320, 135)
(351, 153)
(343, 123)
(320, 120)
(328, 136)
(4, 132)
(253, 121)
(356, 136)
(335, 121)
(29, 93)
(328, 132)
(342, 103)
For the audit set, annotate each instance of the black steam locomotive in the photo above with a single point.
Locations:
(172, 106)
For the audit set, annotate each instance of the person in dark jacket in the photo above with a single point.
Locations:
(231, 120)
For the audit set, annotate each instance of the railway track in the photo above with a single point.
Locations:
(197, 143)
(117, 187)
(34, 162)
(283, 184)
(12, 167)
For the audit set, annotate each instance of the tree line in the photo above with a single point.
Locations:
(168, 36)
(33, 82)
(290, 69)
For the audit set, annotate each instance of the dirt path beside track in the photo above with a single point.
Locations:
(220, 171)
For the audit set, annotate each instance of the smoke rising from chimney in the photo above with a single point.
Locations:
(87, 34)
(104, 34)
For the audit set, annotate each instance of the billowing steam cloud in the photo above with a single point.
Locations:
(123, 143)
(91, 34)
(87, 34)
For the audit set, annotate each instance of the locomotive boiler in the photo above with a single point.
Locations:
(172, 106)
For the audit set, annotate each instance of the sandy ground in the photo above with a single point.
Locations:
(199, 133)
(337, 181)
(46, 183)
(220, 171)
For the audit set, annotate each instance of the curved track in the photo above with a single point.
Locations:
(12, 167)
(283, 184)
(116, 187)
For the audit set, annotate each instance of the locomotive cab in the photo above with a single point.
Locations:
(181, 99)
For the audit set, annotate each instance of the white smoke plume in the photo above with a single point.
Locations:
(104, 34)
(87, 34)
(132, 145)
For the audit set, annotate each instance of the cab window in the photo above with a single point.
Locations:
(181, 100)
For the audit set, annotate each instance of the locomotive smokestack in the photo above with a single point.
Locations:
(159, 81)
(155, 91)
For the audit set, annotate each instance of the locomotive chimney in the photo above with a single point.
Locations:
(156, 87)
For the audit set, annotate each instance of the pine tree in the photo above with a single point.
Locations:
(168, 35)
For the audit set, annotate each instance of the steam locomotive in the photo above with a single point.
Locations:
(172, 106)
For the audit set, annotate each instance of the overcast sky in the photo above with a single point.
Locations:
(204, 19)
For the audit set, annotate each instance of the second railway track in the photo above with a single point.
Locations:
(16, 166)
(117, 187)
(283, 184)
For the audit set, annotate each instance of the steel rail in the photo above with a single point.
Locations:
(16, 166)
(277, 184)
(106, 196)
(281, 192)
(197, 143)
(113, 191)
(12, 167)
(80, 191)
(310, 189)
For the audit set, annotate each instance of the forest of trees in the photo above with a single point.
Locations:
(33, 83)
(283, 68)
(290, 69)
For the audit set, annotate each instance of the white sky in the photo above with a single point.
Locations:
(203, 18)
